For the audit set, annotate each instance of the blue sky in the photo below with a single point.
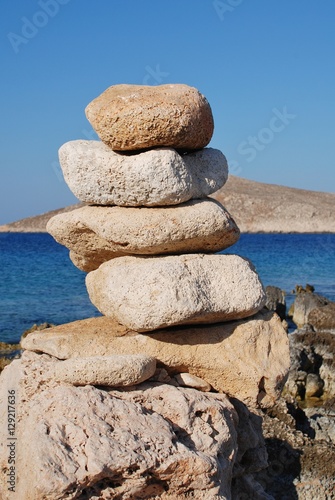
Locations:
(266, 67)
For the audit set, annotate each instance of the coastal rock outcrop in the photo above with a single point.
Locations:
(304, 303)
(312, 372)
(133, 117)
(322, 318)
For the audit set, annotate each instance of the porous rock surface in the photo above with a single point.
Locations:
(114, 371)
(96, 234)
(155, 441)
(96, 174)
(323, 318)
(312, 364)
(148, 293)
(303, 304)
(133, 117)
(215, 353)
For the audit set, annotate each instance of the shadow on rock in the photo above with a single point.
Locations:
(284, 467)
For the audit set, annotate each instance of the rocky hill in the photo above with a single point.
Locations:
(255, 206)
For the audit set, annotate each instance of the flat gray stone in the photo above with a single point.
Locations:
(96, 174)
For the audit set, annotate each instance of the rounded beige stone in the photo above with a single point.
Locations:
(96, 174)
(97, 234)
(134, 117)
(145, 293)
(114, 371)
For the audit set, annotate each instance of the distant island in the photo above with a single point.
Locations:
(256, 208)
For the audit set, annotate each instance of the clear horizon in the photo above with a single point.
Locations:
(266, 70)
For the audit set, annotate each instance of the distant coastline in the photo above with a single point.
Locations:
(255, 206)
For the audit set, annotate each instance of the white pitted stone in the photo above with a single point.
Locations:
(133, 117)
(96, 174)
(148, 293)
(96, 234)
(113, 371)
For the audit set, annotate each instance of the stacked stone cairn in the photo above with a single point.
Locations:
(141, 394)
(149, 234)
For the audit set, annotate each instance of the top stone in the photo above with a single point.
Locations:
(135, 117)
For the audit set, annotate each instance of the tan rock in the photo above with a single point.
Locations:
(133, 117)
(188, 380)
(247, 359)
(96, 174)
(148, 293)
(97, 234)
(114, 371)
(82, 442)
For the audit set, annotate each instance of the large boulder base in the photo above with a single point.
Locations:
(97, 234)
(154, 441)
(148, 293)
(133, 117)
(247, 359)
(96, 174)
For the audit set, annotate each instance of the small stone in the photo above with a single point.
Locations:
(147, 293)
(96, 174)
(113, 371)
(189, 380)
(314, 385)
(133, 117)
(98, 234)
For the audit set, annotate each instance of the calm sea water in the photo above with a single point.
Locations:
(40, 284)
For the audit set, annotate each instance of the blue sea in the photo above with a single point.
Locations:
(40, 284)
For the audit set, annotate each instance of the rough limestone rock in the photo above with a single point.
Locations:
(96, 174)
(82, 442)
(311, 353)
(247, 359)
(148, 293)
(114, 371)
(97, 234)
(323, 318)
(304, 303)
(275, 300)
(133, 117)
